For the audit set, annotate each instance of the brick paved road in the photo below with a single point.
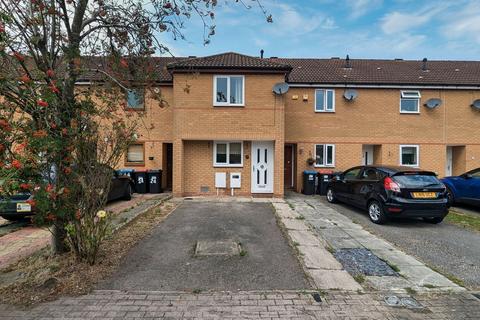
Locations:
(243, 305)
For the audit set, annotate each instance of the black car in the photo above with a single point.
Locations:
(17, 207)
(390, 191)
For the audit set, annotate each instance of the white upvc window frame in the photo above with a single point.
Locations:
(409, 146)
(325, 100)
(228, 104)
(325, 148)
(227, 164)
(410, 95)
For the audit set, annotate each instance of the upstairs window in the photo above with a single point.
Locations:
(410, 102)
(324, 100)
(228, 154)
(135, 99)
(324, 155)
(228, 90)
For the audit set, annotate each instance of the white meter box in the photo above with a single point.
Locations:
(220, 179)
(235, 180)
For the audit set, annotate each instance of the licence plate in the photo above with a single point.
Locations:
(24, 207)
(424, 195)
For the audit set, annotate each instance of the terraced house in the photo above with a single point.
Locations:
(224, 128)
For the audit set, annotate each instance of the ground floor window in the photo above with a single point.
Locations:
(136, 153)
(409, 155)
(228, 154)
(324, 155)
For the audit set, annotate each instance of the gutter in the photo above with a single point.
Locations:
(385, 86)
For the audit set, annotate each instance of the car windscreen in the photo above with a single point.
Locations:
(417, 181)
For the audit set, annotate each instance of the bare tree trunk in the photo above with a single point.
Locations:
(58, 238)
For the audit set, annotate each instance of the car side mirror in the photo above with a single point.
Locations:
(467, 176)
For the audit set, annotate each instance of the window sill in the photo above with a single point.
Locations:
(228, 165)
(324, 166)
(409, 112)
(135, 164)
(135, 109)
(229, 105)
(332, 111)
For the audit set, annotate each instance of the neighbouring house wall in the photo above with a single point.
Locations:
(375, 118)
(155, 127)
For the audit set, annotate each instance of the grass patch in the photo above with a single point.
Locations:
(429, 286)
(410, 291)
(300, 218)
(464, 220)
(360, 278)
(243, 253)
(291, 206)
(197, 291)
(43, 276)
(295, 243)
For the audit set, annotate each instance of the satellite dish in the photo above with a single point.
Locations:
(433, 103)
(280, 88)
(476, 104)
(350, 94)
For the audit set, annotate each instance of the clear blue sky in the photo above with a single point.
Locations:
(409, 29)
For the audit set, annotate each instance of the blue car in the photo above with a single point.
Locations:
(464, 188)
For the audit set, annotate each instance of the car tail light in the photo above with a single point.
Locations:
(391, 185)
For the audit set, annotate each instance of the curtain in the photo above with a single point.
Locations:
(135, 153)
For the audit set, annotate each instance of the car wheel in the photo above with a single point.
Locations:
(375, 212)
(128, 193)
(331, 196)
(435, 220)
(450, 197)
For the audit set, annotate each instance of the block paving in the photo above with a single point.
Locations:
(110, 305)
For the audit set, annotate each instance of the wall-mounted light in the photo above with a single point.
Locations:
(151, 158)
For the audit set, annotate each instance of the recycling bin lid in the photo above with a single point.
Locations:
(309, 172)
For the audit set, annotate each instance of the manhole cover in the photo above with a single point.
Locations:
(217, 248)
(392, 301)
(411, 303)
(407, 302)
(363, 261)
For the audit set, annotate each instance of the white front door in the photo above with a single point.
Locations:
(449, 162)
(367, 157)
(262, 167)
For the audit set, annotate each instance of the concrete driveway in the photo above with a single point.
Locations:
(166, 259)
(446, 247)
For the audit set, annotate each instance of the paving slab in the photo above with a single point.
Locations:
(318, 258)
(295, 224)
(305, 238)
(397, 257)
(422, 275)
(334, 279)
(388, 283)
